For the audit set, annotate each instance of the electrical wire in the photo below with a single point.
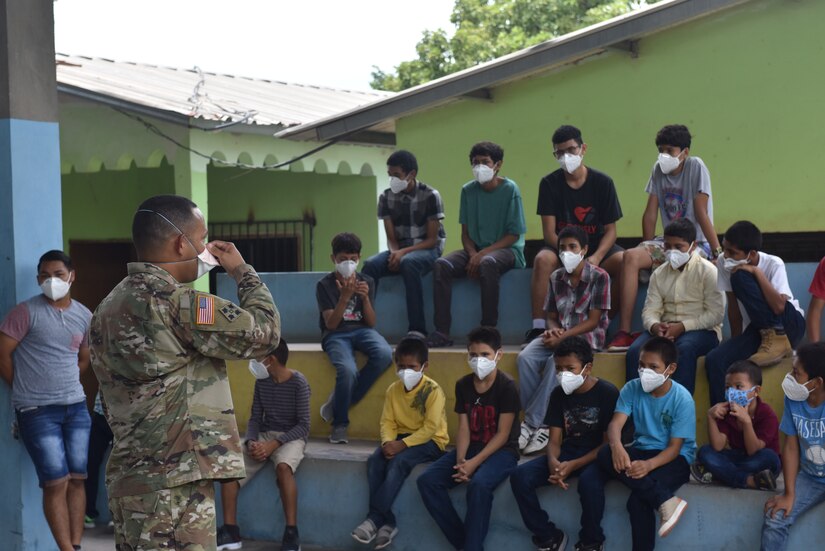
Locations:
(160, 133)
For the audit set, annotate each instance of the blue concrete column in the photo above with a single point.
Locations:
(30, 224)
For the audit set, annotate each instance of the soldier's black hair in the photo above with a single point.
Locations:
(55, 255)
(149, 229)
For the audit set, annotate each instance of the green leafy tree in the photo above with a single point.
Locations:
(488, 29)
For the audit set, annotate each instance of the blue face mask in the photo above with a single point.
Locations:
(739, 397)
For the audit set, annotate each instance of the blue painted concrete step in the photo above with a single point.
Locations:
(333, 498)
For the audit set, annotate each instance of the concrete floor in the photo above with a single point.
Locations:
(101, 538)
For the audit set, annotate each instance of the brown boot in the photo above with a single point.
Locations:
(774, 347)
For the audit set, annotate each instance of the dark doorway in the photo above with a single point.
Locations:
(100, 265)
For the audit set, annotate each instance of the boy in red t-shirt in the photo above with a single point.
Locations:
(744, 435)
(817, 290)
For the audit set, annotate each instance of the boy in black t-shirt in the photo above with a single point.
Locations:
(487, 404)
(580, 410)
(347, 320)
(574, 195)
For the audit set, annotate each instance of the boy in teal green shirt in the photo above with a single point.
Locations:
(492, 234)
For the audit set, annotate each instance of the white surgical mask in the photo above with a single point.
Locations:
(668, 164)
(482, 366)
(55, 288)
(346, 268)
(410, 377)
(258, 369)
(728, 264)
(483, 173)
(206, 261)
(569, 381)
(651, 380)
(570, 162)
(677, 258)
(397, 185)
(794, 390)
(570, 260)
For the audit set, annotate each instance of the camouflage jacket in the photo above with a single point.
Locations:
(158, 349)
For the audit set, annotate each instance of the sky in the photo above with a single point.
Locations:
(324, 42)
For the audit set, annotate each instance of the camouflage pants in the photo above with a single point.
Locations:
(179, 518)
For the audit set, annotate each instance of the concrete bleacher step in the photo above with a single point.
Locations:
(447, 365)
(333, 499)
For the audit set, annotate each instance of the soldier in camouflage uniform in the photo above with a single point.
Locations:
(158, 349)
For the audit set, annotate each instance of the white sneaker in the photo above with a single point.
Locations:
(525, 436)
(538, 442)
(365, 532)
(671, 511)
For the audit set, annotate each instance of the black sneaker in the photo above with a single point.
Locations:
(589, 546)
(765, 480)
(558, 542)
(229, 537)
(291, 541)
(700, 474)
(533, 334)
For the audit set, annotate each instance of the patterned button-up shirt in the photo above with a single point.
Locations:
(410, 213)
(573, 304)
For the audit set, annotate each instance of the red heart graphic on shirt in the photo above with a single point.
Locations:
(581, 212)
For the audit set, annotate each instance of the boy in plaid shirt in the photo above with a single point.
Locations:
(578, 298)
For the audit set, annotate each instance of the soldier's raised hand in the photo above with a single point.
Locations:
(227, 254)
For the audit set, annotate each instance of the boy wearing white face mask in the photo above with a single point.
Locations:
(573, 195)
(578, 299)
(412, 213)
(678, 189)
(347, 320)
(277, 433)
(658, 461)
(486, 452)
(413, 431)
(580, 409)
(803, 453)
(766, 322)
(683, 304)
(492, 237)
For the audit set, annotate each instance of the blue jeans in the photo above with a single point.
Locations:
(350, 384)
(810, 492)
(742, 347)
(646, 495)
(690, 345)
(733, 467)
(536, 380)
(434, 485)
(57, 439)
(414, 266)
(386, 476)
(530, 476)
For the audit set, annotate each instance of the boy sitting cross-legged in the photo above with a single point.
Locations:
(413, 431)
(657, 463)
(580, 409)
(744, 435)
(486, 452)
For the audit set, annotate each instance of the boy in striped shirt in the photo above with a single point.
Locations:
(277, 432)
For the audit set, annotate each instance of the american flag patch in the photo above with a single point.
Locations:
(206, 310)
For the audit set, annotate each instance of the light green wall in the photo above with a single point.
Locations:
(100, 205)
(341, 203)
(748, 83)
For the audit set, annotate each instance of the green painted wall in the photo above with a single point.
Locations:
(100, 205)
(341, 203)
(748, 84)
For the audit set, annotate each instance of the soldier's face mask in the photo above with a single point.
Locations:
(206, 260)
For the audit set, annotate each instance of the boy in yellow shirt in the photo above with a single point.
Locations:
(413, 431)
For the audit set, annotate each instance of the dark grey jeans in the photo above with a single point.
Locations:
(454, 266)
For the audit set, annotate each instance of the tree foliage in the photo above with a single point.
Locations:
(488, 29)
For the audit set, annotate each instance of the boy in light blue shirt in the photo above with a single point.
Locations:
(658, 461)
(803, 455)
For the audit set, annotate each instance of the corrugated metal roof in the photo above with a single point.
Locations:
(208, 96)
